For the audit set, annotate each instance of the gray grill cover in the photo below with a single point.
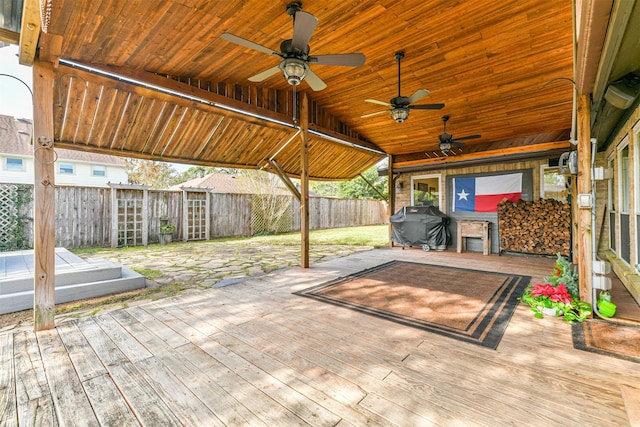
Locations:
(419, 226)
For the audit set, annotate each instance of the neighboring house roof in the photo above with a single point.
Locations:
(15, 139)
(227, 183)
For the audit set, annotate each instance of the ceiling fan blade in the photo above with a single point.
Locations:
(426, 107)
(346, 59)
(264, 75)
(247, 43)
(418, 95)
(455, 143)
(464, 138)
(375, 114)
(314, 81)
(304, 24)
(375, 101)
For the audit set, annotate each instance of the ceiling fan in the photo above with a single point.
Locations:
(447, 142)
(295, 64)
(400, 105)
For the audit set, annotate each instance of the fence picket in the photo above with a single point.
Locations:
(84, 214)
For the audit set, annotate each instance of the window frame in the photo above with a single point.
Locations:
(93, 171)
(429, 176)
(60, 170)
(11, 169)
(543, 169)
(623, 178)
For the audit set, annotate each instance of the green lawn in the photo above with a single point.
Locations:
(371, 235)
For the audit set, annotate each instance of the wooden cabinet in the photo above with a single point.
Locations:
(475, 229)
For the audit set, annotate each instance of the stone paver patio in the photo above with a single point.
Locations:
(188, 266)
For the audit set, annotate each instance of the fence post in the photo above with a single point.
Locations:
(114, 217)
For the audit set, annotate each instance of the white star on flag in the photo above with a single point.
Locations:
(463, 195)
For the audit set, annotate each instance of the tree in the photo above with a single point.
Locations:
(359, 189)
(200, 171)
(157, 175)
(325, 188)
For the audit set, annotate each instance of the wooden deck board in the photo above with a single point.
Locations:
(35, 406)
(8, 409)
(226, 408)
(254, 354)
(144, 402)
(69, 397)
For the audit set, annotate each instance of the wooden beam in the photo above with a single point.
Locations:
(392, 195)
(9, 36)
(585, 226)
(593, 20)
(50, 48)
(44, 197)
(149, 84)
(304, 181)
(372, 187)
(285, 179)
(29, 32)
(536, 148)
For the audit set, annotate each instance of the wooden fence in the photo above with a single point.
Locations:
(85, 215)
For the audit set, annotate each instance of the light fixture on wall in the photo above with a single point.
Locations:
(623, 92)
(400, 185)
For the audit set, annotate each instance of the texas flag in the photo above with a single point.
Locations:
(482, 194)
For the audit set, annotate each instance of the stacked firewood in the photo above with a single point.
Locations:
(542, 227)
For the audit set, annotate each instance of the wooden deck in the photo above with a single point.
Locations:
(254, 354)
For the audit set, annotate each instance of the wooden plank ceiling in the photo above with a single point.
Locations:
(502, 69)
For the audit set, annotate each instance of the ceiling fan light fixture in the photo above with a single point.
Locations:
(445, 146)
(294, 70)
(399, 114)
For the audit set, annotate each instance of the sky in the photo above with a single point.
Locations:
(15, 99)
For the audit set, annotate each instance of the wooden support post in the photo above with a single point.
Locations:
(304, 181)
(44, 210)
(392, 195)
(585, 226)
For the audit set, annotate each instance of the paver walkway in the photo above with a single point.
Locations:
(216, 263)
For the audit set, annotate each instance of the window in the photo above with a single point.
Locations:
(97, 170)
(14, 164)
(624, 202)
(553, 184)
(65, 169)
(425, 190)
(625, 180)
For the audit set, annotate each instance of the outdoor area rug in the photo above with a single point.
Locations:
(603, 337)
(469, 305)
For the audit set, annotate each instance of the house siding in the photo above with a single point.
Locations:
(82, 173)
(627, 272)
(403, 196)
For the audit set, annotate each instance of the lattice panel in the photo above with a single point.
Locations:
(15, 229)
(130, 222)
(8, 213)
(271, 213)
(196, 216)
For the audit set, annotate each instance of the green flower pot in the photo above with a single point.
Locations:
(606, 308)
